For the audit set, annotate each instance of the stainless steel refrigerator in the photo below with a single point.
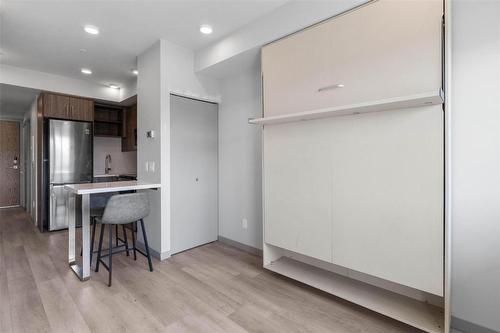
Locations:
(68, 158)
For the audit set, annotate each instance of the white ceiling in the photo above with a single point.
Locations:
(15, 101)
(48, 35)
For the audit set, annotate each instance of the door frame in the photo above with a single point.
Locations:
(217, 103)
(21, 151)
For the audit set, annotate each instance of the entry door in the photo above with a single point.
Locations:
(194, 155)
(9, 163)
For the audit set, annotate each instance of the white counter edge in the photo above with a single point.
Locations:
(106, 187)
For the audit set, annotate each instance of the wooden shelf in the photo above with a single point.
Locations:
(108, 121)
(107, 136)
(425, 99)
(418, 314)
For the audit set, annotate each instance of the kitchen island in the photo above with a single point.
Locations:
(85, 190)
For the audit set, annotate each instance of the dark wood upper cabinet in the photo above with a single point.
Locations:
(81, 109)
(55, 106)
(129, 140)
(67, 107)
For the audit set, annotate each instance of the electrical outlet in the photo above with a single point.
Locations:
(152, 166)
(146, 166)
(244, 224)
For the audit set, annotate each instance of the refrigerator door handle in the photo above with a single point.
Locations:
(52, 202)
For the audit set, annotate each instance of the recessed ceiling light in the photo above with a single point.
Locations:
(205, 29)
(86, 71)
(135, 71)
(91, 29)
(114, 86)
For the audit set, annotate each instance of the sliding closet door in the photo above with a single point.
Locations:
(194, 156)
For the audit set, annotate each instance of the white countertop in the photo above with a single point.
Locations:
(105, 187)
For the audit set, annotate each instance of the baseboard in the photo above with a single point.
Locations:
(468, 327)
(155, 254)
(241, 246)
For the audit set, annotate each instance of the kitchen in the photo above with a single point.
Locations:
(84, 141)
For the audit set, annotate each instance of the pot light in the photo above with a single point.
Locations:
(135, 71)
(113, 86)
(91, 30)
(86, 71)
(205, 29)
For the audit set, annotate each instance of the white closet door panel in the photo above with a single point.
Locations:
(383, 50)
(194, 159)
(387, 171)
(297, 190)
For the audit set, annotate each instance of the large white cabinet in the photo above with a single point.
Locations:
(385, 49)
(360, 195)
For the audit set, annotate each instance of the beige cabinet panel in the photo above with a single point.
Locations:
(387, 197)
(297, 190)
(383, 50)
(367, 188)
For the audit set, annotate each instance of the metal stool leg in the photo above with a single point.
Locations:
(99, 249)
(125, 238)
(117, 238)
(146, 245)
(133, 240)
(110, 260)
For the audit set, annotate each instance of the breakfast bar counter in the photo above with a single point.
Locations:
(85, 190)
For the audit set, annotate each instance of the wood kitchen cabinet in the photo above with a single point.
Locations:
(67, 107)
(108, 120)
(129, 139)
(55, 106)
(81, 109)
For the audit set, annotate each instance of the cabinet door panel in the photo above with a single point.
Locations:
(383, 50)
(387, 171)
(297, 189)
(56, 106)
(81, 109)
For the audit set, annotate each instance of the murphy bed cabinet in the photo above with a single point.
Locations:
(354, 205)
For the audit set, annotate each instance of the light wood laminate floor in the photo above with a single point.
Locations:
(212, 288)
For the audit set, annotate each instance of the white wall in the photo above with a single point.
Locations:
(476, 162)
(181, 79)
(151, 91)
(164, 68)
(31, 116)
(289, 18)
(122, 162)
(240, 161)
(45, 81)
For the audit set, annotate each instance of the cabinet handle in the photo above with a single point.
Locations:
(330, 87)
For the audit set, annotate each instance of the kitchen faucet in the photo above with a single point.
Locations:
(107, 164)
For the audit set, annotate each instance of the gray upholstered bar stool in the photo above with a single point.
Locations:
(97, 204)
(123, 209)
